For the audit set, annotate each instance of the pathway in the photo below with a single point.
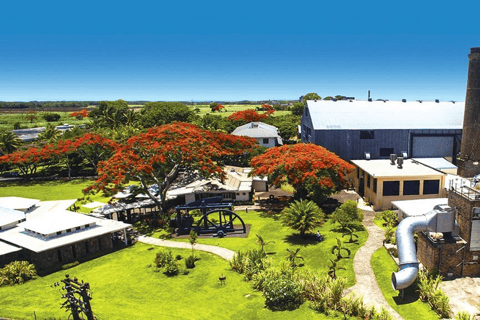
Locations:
(222, 252)
(366, 283)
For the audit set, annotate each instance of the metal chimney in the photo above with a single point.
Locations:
(470, 153)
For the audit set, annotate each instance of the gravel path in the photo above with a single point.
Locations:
(222, 252)
(366, 283)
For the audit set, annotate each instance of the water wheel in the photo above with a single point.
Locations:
(221, 220)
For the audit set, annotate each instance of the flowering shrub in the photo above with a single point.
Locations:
(282, 293)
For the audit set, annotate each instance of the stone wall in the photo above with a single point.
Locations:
(464, 208)
(57, 257)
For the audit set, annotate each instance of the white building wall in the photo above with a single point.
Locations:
(270, 144)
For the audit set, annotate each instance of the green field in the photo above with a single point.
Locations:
(7, 120)
(230, 109)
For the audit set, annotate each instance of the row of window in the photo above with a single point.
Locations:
(411, 187)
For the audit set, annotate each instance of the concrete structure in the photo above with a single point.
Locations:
(413, 208)
(53, 238)
(382, 182)
(470, 155)
(266, 135)
(27, 135)
(20, 204)
(352, 128)
(9, 218)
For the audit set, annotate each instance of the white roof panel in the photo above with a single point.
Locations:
(418, 207)
(436, 163)
(6, 248)
(52, 222)
(366, 115)
(383, 168)
(17, 203)
(9, 216)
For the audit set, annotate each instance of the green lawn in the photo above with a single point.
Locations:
(124, 287)
(409, 308)
(316, 254)
(204, 109)
(8, 119)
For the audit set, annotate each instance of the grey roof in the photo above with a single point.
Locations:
(369, 115)
(257, 130)
(17, 203)
(419, 206)
(52, 222)
(436, 163)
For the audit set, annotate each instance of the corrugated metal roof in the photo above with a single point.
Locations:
(256, 130)
(436, 163)
(370, 115)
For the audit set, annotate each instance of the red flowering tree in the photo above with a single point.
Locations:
(268, 109)
(312, 170)
(92, 148)
(157, 156)
(248, 115)
(218, 107)
(80, 114)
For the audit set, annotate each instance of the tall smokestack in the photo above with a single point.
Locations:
(470, 153)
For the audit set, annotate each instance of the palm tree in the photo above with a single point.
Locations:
(9, 142)
(292, 256)
(332, 270)
(262, 243)
(347, 231)
(303, 216)
(50, 134)
(338, 248)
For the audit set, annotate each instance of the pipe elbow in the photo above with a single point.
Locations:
(405, 277)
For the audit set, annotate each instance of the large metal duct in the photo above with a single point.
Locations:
(440, 219)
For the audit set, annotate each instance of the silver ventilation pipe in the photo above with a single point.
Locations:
(441, 219)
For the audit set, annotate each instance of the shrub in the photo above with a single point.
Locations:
(17, 126)
(462, 315)
(178, 257)
(163, 258)
(190, 262)
(348, 215)
(282, 293)
(51, 117)
(171, 268)
(258, 279)
(17, 272)
(390, 235)
(428, 286)
(70, 265)
(390, 218)
(249, 263)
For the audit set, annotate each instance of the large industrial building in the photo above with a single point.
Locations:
(355, 129)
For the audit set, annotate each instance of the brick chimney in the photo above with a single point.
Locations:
(469, 166)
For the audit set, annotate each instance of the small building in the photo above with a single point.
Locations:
(411, 208)
(354, 129)
(18, 203)
(52, 239)
(9, 218)
(30, 134)
(383, 181)
(266, 135)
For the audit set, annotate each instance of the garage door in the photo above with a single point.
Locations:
(431, 146)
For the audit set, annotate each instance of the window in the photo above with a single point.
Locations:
(358, 173)
(431, 186)
(59, 255)
(411, 188)
(265, 140)
(375, 185)
(368, 181)
(386, 152)
(59, 233)
(367, 134)
(87, 250)
(99, 244)
(391, 188)
(74, 251)
(77, 228)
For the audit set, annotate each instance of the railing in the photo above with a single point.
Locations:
(466, 188)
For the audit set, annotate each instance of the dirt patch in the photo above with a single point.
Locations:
(464, 295)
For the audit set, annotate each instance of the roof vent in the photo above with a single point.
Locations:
(399, 162)
(453, 101)
(393, 157)
(366, 155)
(334, 99)
(404, 100)
(420, 101)
(404, 154)
(437, 101)
(315, 100)
(370, 99)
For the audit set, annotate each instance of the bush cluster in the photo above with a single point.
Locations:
(250, 263)
(51, 117)
(165, 261)
(428, 286)
(282, 293)
(17, 272)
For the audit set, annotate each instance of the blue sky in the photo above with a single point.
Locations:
(225, 50)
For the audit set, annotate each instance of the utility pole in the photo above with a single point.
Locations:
(77, 298)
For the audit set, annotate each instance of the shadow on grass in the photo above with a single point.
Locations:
(296, 239)
(411, 295)
(41, 183)
(270, 214)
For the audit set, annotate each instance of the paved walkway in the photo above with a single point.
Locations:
(366, 283)
(222, 252)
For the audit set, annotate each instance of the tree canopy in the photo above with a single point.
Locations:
(160, 113)
(310, 96)
(312, 170)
